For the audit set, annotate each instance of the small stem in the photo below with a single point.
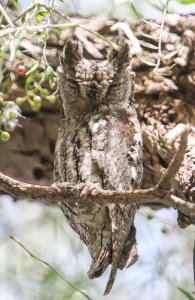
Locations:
(5, 6)
(101, 37)
(166, 181)
(160, 36)
(37, 27)
(51, 268)
(47, 33)
(64, 25)
(7, 18)
(194, 260)
(43, 6)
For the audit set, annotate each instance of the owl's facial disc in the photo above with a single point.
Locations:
(94, 78)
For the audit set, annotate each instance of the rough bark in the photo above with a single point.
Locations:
(161, 102)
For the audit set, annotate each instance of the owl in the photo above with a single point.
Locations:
(99, 143)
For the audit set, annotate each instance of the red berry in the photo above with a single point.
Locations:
(21, 70)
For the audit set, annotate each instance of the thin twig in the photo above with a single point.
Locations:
(175, 164)
(1, 17)
(47, 33)
(160, 36)
(101, 37)
(42, 6)
(125, 28)
(7, 18)
(37, 27)
(194, 260)
(51, 268)
(62, 26)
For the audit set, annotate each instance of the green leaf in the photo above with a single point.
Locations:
(30, 81)
(33, 68)
(164, 71)
(40, 15)
(16, 2)
(23, 19)
(149, 45)
(1, 75)
(148, 36)
(134, 10)
(186, 293)
(186, 1)
(1, 55)
(172, 53)
(12, 76)
(47, 73)
(151, 23)
(12, 48)
(50, 275)
(147, 62)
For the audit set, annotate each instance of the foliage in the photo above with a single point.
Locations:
(25, 65)
(44, 231)
(186, 1)
(186, 294)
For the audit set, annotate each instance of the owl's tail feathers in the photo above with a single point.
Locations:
(127, 258)
(129, 254)
(111, 279)
(101, 263)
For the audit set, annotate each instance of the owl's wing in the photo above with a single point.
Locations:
(116, 140)
(115, 151)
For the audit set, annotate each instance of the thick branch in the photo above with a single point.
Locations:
(166, 181)
(20, 190)
(51, 195)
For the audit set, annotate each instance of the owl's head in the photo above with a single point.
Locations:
(86, 84)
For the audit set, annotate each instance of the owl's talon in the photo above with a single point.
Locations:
(62, 187)
(87, 189)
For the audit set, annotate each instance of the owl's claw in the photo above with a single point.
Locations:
(62, 187)
(81, 190)
(88, 188)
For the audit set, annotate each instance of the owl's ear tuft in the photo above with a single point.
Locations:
(121, 57)
(72, 53)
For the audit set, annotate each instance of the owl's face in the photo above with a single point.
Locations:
(94, 78)
(85, 84)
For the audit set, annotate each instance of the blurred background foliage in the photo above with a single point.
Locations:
(164, 270)
(164, 265)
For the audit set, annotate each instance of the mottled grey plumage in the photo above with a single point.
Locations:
(100, 143)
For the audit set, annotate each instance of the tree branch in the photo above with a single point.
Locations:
(20, 190)
(52, 195)
(166, 181)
